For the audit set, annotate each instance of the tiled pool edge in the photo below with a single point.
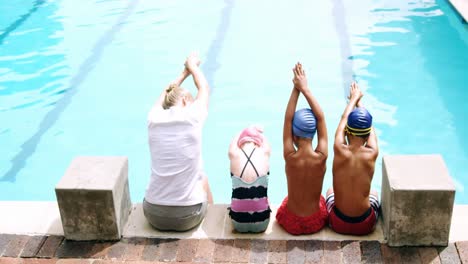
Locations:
(43, 218)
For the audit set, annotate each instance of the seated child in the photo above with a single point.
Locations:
(249, 155)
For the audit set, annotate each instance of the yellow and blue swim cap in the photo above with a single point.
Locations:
(304, 123)
(359, 122)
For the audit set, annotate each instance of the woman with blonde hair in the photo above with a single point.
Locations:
(178, 192)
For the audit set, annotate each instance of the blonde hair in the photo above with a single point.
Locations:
(173, 94)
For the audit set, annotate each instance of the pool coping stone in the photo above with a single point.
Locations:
(461, 6)
(216, 225)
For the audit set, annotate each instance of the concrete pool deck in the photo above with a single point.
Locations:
(31, 232)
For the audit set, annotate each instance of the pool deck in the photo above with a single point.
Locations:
(462, 7)
(23, 240)
(54, 249)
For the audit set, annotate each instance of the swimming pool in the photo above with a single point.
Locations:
(78, 78)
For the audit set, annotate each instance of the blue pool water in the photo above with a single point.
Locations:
(78, 78)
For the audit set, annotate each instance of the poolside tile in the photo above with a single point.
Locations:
(146, 251)
(33, 246)
(314, 251)
(129, 262)
(259, 251)
(332, 252)
(108, 261)
(168, 249)
(134, 249)
(74, 249)
(463, 251)
(390, 254)
(100, 250)
(38, 261)
(205, 251)
(410, 255)
(4, 241)
(116, 250)
(74, 261)
(50, 246)
(277, 251)
(187, 250)
(429, 255)
(449, 254)
(16, 245)
(152, 250)
(295, 251)
(8, 260)
(144, 262)
(223, 250)
(241, 251)
(351, 251)
(370, 252)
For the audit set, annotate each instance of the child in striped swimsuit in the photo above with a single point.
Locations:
(249, 154)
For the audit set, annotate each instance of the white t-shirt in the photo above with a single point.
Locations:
(175, 141)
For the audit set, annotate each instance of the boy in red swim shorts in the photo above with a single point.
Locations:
(353, 208)
(303, 211)
(353, 225)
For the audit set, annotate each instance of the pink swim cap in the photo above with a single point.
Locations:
(250, 134)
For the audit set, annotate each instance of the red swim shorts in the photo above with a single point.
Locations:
(297, 225)
(361, 225)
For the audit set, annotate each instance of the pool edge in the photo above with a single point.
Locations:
(43, 218)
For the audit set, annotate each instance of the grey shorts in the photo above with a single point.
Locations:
(174, 218)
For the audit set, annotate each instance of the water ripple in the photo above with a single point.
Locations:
(7, 31)
(29, 146)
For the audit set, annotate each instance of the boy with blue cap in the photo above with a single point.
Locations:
(303, 211)
(352, 207)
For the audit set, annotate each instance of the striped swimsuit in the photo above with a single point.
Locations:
(250, 211)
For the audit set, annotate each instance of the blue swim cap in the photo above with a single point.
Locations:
(304, 123)
(359, 122)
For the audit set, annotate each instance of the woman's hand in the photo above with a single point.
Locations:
(192, 61)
